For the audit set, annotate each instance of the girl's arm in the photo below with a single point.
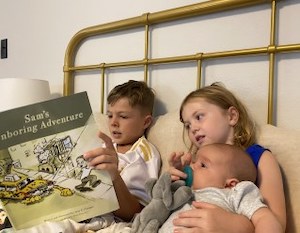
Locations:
(264, 221)
(271, 186)
(210, 218)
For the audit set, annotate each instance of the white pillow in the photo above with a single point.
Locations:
(166, 133)
(285, 146)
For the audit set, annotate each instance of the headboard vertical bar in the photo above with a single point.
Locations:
(271, 89)
(146, 56)
(102, 89)
(199, 72)
(273, 23)
(272, 49)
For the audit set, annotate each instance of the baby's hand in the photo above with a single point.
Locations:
(177, 161)
(104, 158)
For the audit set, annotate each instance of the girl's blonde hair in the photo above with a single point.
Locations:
(244, 130)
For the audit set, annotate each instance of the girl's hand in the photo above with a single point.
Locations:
(209, 218)
(176, 162)
(104, 158)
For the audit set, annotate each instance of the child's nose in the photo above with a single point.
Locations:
(114, 121)
(194, 128)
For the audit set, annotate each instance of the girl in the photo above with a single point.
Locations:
(214, 115)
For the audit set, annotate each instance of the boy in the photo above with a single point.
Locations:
(128, 157)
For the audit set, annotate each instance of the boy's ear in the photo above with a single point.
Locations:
(232, 182)
(233, 114)
(148, 121)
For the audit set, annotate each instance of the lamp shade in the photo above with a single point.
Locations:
(17, 92)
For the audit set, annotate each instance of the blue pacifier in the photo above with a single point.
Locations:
(189, 179)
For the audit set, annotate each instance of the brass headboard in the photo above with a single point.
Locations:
(148, 19)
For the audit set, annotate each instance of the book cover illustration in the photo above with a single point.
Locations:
(43, 175)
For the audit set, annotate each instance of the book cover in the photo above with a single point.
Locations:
(43, 176)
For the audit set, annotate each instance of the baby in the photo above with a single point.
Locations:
(225, 175)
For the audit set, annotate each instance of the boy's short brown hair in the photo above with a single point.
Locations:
(138, 93)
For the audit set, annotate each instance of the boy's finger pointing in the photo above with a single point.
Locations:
(107, 140)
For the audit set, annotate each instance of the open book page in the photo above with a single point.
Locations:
(43, 174)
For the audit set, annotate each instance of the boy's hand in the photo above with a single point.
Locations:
(177, 161)
(104, 158)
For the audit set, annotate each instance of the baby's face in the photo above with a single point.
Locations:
(209, 169)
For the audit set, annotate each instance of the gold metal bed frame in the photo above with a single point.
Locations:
(148, 19)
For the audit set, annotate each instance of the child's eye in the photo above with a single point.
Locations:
(203, 165)
(199, 116)
(124, 117)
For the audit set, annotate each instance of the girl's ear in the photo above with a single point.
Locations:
(232, 182)
(233, 114)
(147, 121)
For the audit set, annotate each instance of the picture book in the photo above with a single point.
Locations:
(43, 175)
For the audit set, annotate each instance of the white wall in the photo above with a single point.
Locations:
(38, 33)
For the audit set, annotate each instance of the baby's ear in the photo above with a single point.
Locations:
(232, 182)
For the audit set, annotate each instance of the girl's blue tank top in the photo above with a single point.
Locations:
(255, 151)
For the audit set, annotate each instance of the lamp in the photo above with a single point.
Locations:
(17, 92)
